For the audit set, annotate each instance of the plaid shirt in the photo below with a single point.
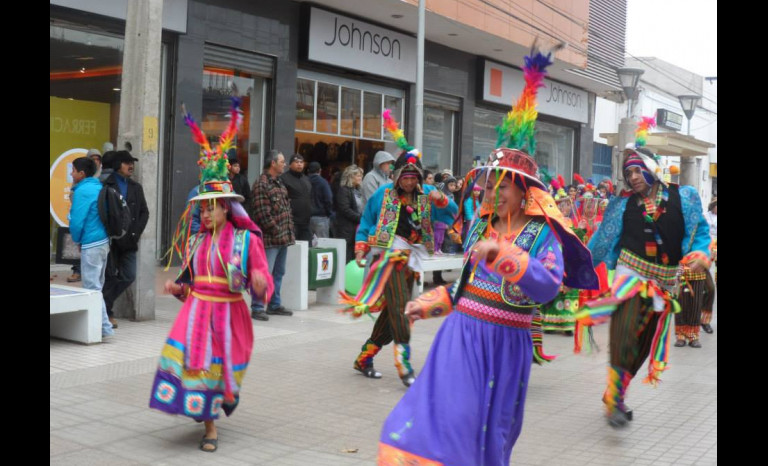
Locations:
(272, 211)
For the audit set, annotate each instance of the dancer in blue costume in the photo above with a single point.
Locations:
(466, 407)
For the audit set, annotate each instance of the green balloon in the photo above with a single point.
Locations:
(353, 277)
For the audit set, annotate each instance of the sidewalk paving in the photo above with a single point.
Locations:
(302, 404)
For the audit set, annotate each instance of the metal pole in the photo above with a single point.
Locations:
(419, 123)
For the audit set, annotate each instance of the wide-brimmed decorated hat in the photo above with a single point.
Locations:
(409, 160)
(516, 146)
(214, 166)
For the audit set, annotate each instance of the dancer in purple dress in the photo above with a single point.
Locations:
(466, 407)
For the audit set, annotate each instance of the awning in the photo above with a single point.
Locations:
(668, 144)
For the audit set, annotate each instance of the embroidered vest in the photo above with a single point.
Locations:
(390, 215)
(511, 294)
(237, 263)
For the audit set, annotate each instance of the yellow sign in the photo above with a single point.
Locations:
(61, 185)
(150, 134)
(713, 170)
(77, 123)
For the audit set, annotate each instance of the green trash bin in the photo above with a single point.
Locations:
(322, 267)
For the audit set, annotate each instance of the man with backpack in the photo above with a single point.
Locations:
(87, 230)
(123, 250)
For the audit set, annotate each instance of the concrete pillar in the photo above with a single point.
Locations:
(627, 128)
(688, 173)
(139, 108)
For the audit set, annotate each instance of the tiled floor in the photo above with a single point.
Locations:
(302, 404)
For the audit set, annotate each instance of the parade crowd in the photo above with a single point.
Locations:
(541, 256)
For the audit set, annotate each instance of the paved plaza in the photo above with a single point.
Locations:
(302, 404)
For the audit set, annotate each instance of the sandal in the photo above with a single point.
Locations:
(209, 441)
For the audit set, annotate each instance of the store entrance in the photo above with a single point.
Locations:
(335, 153)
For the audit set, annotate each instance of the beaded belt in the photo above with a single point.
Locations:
(485, 303)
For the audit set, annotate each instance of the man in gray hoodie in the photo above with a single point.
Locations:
(379, 175)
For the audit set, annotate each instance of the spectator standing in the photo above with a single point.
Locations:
(379, 176)
(322, 203)
(88, 231)
(239, 181)
(123, 250)
(349, 207)
(272, 213)
(299, 192)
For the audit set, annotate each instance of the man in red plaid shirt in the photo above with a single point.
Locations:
(272, 213)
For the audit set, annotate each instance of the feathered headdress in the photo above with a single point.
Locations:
(517, 129)
(410, 158)
(578, 179)
(641, 133)
(214, 164)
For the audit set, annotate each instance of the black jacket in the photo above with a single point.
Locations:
(241, 187)
(322, 199)
(139, 213)
(347, 213)
(300, 193)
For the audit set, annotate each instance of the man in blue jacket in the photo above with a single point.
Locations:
(87, 230)
(322, 203)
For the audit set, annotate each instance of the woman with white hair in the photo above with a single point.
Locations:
(349, 207)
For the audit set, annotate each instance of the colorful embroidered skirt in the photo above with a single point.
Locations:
(466, 406)
(560, 314)
(200, 394)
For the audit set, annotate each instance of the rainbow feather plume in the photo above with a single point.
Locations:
(517, 129)
(197, 134)
(397, 134)
(227, 138)
(641, 133)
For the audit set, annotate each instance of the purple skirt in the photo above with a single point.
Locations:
(466, 406)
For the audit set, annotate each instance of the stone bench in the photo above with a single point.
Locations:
(442, 262)
(75, 314)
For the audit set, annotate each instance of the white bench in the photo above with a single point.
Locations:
(442, 262)
(76, 314)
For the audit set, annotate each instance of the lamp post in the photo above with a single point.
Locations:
(688, 175)
(629, 79)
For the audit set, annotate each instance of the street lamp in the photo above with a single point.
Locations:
(629, 79)
(688, 172)
(689, 102)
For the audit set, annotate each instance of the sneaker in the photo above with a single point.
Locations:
(75, 277)
(369, 371)
(408, 379)
(279, 311)
(680, 343)
(259, 315)
(617, 419)
(707, 328)
(113, 321)
(694, 344)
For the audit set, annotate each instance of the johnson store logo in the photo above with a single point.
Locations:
(348, 35)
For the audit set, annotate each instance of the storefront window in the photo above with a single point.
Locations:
(554, 148)
(350, 111)
(372, 112)
(484, 135)
(219, 85)
(327, 108)
(85, 78)
(345, 126)
(305, 105)
(554, 143)
(437, 153)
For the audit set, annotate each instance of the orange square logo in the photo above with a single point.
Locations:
(496, 78)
